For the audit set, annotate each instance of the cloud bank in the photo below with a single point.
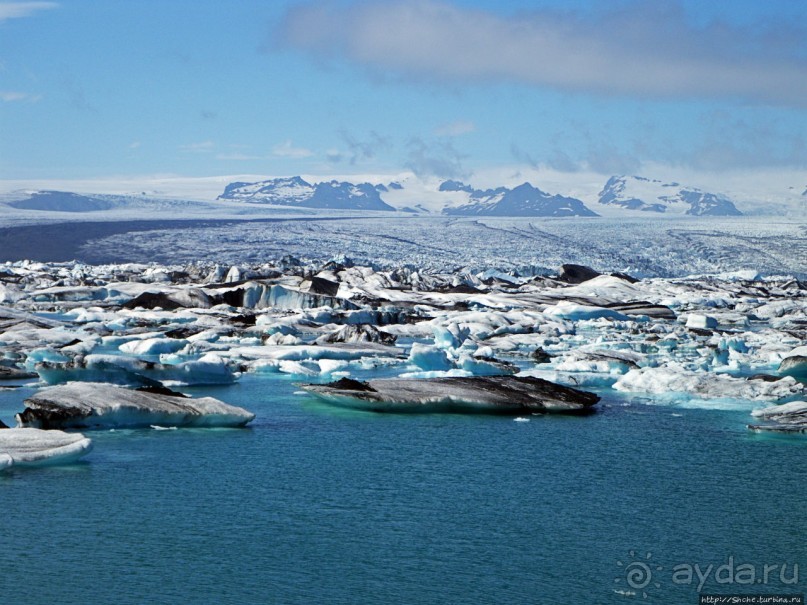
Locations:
(647, 49)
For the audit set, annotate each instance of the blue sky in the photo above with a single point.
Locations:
(441, 88)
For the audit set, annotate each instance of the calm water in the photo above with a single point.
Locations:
(316, 505)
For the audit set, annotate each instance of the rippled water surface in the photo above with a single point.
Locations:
(317, 505)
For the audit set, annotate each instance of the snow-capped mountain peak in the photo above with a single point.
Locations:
(653, 195)
(523, 200)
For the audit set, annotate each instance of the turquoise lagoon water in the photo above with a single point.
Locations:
(319, 505)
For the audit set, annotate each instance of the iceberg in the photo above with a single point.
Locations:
(35, 447)
(130, 371)
(786, 418)
(706, 385)
(576, 312)
(477, 394)
(99, 405)
(149, 347)
(795, 364)
(429, 358)
(701, 322)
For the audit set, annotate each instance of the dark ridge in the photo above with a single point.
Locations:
(348, 384)
(152, 300)
(161, 390)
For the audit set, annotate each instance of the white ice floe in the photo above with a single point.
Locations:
(152, 346)
(794, 412)
(662, 381)
(35, 447)
(429, 358)
(786, 418)
(96, 405)
(576, 312)
(696, 320)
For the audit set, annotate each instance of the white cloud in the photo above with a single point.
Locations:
(287, 150)
(646, 49)
(203, 147)
(455, 129)
(17, 10)
(134, 144)
(13, 96)
(238, 157)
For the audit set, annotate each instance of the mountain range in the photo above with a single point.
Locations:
(294, 191)
(621, 195)
(523, 200)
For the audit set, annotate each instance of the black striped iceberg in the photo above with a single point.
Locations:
(474, 394)
(97, 405)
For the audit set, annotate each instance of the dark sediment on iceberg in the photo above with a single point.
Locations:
(476, 394)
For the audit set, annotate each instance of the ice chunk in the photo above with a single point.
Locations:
(97, 405)
(703, 322)
(705, 385)
(485, 366)
(795, 411)
(490, 394)
(357, 333)
(152, 346)
(786, 418)
(795, 364)
(296, 368)
(428, 357)
(576, 312)
(606, 361)
(35, 447)
(278, 338)
(451, 336)
(209, 369)
(329, 366)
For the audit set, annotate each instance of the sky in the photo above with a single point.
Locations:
(438, 88)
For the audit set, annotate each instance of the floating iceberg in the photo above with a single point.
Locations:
(706, 385)
(489, 394)
(35, 447)
(152, 346)
(429, 358)
(130, 371)
(97, 405)
(576, 312)
(795, 364)
(786, 418)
